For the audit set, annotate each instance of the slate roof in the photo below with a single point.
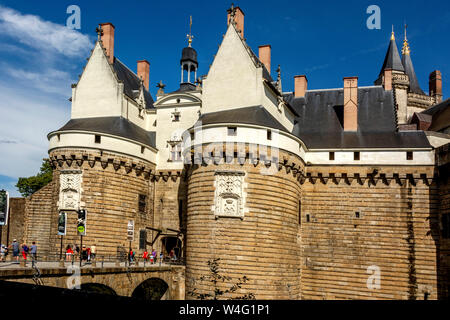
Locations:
(116, 126)
(440, 114)
(256, 115)
(320, 124)
(131, 83)
(391, 60)
(409, 70)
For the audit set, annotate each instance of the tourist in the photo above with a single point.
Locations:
(145, 255)
(152, 258)
(161, 258)
(69, 253)
(131, 256)
(77, 251)
(89, 254)
(15, 248)
(154, 253)
(83, 254)
(25, 250)
(33, 251)
(2, 253)
(93, 251)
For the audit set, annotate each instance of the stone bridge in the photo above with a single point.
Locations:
(144, 282)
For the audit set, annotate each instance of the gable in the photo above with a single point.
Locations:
(234, 80)
(98, 92)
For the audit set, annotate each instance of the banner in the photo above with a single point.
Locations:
(62, 223)
(4, 207)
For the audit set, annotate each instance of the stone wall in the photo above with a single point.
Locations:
(14, 229)
(376, 222)
(40, 209)
(111, 185)
(443, 161)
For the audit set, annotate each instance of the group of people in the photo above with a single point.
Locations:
(16, 249)
(85, 253)
(151, 256)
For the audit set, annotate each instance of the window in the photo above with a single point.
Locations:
(192, 136)
(176, 117)
(142, 239)
(409, 155)
(142, 149)
(98, 139)
(232, 131)
(331, 156)
(357, 215)
(356, 156)
(142, 203)
(269, 134)
(175, 153)
(308, 218)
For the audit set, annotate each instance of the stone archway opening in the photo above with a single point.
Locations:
(97, 288)
(171, 243)
(151, 289)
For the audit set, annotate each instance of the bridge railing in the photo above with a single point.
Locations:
(55, 260)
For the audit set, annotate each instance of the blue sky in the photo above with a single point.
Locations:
(326, 40)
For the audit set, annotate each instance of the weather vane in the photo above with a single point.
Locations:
(190, 36)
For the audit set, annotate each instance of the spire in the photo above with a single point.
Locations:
(405, 49)
(190, 36)
(392, 60)
(409, 68)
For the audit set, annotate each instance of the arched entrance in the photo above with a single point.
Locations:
(97, 288)
(151, 289)
(171, 243)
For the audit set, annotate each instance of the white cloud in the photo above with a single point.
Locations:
(43, 35)
(38, 62)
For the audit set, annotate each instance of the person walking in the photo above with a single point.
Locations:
(154, 254)
(2, 253)
(15, 248)
(145, 255)
(69, 253)
(93, 251)
(33, 251)
(161, 258)
(25, 250)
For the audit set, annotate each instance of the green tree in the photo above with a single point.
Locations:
(28, 186)
(214, 278)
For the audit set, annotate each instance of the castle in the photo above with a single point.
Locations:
(308, 194)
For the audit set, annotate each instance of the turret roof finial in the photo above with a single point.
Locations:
(406, 49)
(99, 32)
(392, 35)
(190, 36)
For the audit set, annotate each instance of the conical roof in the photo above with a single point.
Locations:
(409, 69)
(392, 59)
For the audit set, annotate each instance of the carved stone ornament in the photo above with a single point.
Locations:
(229, 197)
(69, 190)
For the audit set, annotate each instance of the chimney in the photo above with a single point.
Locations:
(300, 86)
(351, 104)
(388, 79)
(143, 72)
(108, 39)
(436, 85)
(264, 55)
(238, 18)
